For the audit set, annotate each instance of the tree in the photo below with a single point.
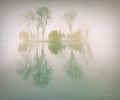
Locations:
(43, 16)
(23, 46)
(30, 22)
(69, 18)
(76, 36)
(55, 36)
(23, 36)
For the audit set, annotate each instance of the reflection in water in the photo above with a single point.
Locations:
(56, 47)
(35, 67)
(42, 72)
(83, 48)
(23, 46)
(76, 46)
(72, 68)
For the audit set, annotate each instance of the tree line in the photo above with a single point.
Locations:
(37, 23)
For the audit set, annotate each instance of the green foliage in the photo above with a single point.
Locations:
(25, 70)
(24, 36)
(55, 36)
(55, 47)
(43, 16)
(42, 71)
(37, 21)
(42, 77)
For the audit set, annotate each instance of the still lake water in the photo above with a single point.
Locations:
(54, 71)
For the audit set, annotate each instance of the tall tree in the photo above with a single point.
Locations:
(43, 16)
(69, 18)
(30, 22)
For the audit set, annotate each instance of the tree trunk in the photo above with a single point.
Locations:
(42, 37)
(43, 31)
(37, 33)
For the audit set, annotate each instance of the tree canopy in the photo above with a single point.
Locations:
(55, 36)
(43, 16)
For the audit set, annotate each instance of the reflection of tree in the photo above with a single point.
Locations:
(42, 72)
(25, 71)
(72, 68)
(25, 64)
(81, 44)
(35, 68)
(83, 48)
(76, 46)
(55, 47)
(23, 46)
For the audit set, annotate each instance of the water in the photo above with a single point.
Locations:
(54, 71)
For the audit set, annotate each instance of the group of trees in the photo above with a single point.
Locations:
(37, 23)
(35, 67)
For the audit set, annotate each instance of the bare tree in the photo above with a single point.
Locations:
(30, 22)
(69, 18)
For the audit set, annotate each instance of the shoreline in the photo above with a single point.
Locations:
(46, 41)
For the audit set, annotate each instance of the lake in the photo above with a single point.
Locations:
(54, 71)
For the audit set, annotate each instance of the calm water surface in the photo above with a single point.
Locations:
(54, 71)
